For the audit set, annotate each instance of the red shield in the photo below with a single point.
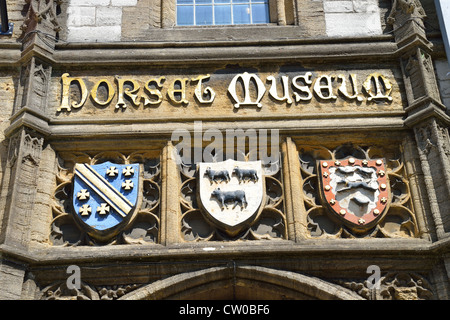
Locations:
(356, 191)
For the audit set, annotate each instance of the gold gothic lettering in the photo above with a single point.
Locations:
(199, 94)
(304, 89)
(154, 93)
(244, 90)
(178, 95)
(128, 92)
(66, 82)
(378, 87)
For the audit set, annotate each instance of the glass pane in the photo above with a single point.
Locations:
(203, 15)
(241, 1)
(203, 1)
(185, 15)
(222, 14)
(222, 1)
(185, 1)
(260, 13)
(241, 14)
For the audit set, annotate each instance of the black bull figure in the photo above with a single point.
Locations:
(217, 175)
(224, 197)
(223, 175)
(245, 174)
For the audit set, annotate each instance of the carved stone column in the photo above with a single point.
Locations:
(168, 13)
(23, 165)
(11, 276)
(425, 113)
(26, 133)
(433, 146)
(29, 123)
(40, 32)
(170, 197)
(33, 87)
(295, 208)
(281, 14)
(416, 176)
(19, 191)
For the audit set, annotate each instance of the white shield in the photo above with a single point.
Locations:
(231, 193)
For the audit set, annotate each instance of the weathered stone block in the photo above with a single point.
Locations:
(76, 3)
(311, 17)
(123, 3)
(93, 34)
(352, 24)
(109, 16)
(366, 6)
(338, 6)
(11, 278)
(80, 16)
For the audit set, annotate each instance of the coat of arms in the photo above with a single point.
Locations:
(105, 196)
(357, 191)
(231, 193)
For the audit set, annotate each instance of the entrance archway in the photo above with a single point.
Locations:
(241, 282)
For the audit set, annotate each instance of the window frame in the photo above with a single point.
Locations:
(232, 5)
(281, 12)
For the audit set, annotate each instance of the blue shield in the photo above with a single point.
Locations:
(105, 195)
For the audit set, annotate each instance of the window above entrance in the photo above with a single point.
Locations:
(222, 12)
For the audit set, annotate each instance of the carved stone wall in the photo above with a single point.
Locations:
(112, 19)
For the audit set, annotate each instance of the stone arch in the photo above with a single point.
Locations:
(241, 282)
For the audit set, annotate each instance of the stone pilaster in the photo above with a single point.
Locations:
(425, 113)
(433, 147)
(24, 155)
(11, 279)
(295, 208)
(170, 189)
(26, 134)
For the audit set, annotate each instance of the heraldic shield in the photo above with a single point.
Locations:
(105, 196)
(356, 191)
(231, 193)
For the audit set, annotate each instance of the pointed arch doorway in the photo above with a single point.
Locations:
(241, 283)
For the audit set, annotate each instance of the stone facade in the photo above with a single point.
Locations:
(111, 111)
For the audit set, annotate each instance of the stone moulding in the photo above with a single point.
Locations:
(190, 257)
(220, 52)
(394, 285)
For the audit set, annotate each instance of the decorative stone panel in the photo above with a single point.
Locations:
(269, 224)
(393, 218)
(142, 228)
